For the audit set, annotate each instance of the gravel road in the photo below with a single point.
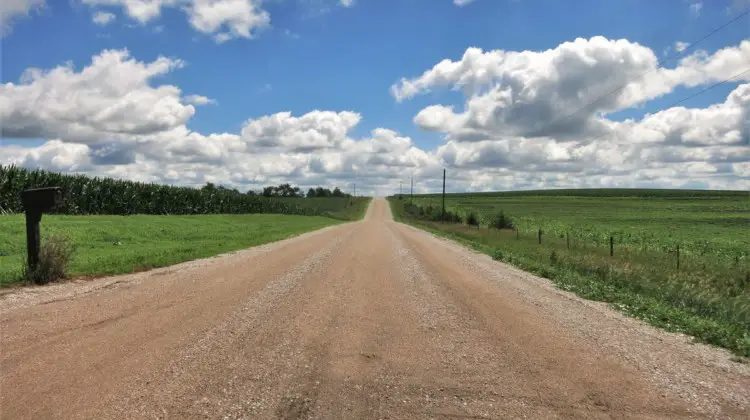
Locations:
(365, 320)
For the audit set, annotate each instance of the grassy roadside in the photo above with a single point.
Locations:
(107, 245)
(715, 310)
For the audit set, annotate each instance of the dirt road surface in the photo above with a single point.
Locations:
(366, 320)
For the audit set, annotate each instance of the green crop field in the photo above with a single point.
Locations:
(704, 222)
(118, 226)
(702, 288)
(122, 244)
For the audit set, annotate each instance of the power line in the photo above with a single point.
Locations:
(702, 91)
(658, 66)
(708, 88)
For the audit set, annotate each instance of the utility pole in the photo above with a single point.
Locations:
(400, 189)
(443, 194)
(355, 190)
(411, 196)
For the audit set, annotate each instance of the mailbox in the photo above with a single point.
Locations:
(39, 200)
(35, 202)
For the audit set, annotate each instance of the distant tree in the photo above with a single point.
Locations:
(209, 186)
(251, 193)
(337, 192)
(283, 190)
(311, 193)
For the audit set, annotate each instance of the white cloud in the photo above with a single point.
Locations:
(461, 3)
(222, 19)
(437, 118)
(346, 3)
(228, 18)
(59, 156)
(103, 18)
(680, 46)
(314, 130)
(141, 10)
(91, 131)
(199, 100)
(11, 10)
(110, 118)
(111, 97)
(506, 129)
(533, 93)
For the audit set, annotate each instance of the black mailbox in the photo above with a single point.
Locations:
(35, 202)
(39, 200)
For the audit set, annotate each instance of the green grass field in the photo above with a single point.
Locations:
(106, 245)
(712, 223)
(708, 296)
(345, 208)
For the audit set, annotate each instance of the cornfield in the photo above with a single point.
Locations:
(85, 195)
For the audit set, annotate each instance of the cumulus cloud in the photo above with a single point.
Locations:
(103, 18)
(346, 3)
(199, 100)
(518, 122)
(312, 131)
(461, 3)
(222, 19)
(111, 118)
(141, 10)
(56, 155)
(228, 18)
(113, 96)
(11, 10)
(527, 93)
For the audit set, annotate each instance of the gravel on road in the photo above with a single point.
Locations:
(371, 319)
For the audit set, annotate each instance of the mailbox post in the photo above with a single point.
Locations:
(35, 202)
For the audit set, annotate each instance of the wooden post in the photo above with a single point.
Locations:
(443, 194)
(678, 256)
(567, 237)
(518, 236)
(32, 238)
(611, 246)
(540, 236)
(35, 202)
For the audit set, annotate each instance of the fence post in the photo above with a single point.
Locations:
(35, 202)
(678, 256)
(443, 194)
(611, 246)
(567, 238)
(540, 236)
(517, 234)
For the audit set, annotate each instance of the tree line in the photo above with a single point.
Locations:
(287, 190)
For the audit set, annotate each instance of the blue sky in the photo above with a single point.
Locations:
(320, 55)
